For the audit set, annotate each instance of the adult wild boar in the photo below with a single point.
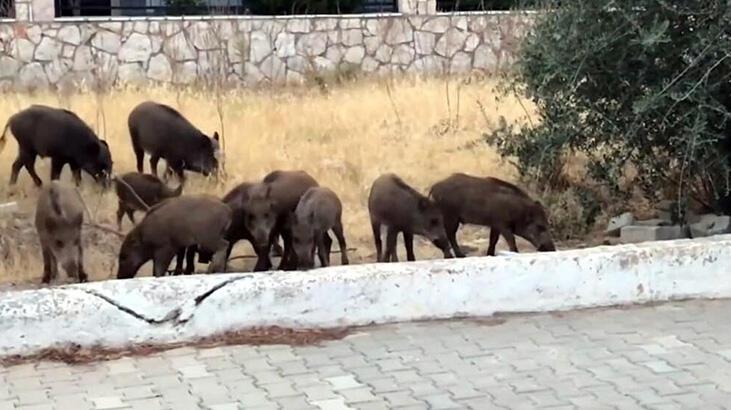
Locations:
(162, 132)
(146, 187)
(392, 202)
(505, 208)
(62, 136)
(319, 210)
(267, 207)
(172, 225)
(59, 215)
(237, 231)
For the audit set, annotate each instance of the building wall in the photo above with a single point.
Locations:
(39, 50)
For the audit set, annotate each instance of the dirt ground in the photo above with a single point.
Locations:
(19, 243)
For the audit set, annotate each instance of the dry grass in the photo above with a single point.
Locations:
(345, 137)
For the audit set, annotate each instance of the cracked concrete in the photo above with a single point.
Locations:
(117, 313)
(175, 315)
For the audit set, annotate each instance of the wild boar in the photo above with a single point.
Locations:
(146, 187)
(162, 132)
(173, 225)
(392, 202)
(267, 207)
(235, 199)
(505, 208)
(59, 215)
(62, 136)
(319, 210)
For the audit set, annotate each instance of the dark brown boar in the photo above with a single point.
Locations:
(59, 215)
(319, 211)
(146, 187)
(235, 199)
(505, 208)
(267, 207)
(174, 225)
(162, 132)
(392, 202)
(59, 134)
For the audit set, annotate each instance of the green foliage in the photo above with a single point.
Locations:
(277, 7)
(641, 86)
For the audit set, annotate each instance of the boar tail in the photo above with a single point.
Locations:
(131, 190)
(3, 137)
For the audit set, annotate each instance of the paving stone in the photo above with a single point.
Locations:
(670, 356)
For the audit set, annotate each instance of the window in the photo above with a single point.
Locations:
(7, 9)
(68, 8)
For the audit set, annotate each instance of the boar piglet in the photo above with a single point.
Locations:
(173, 225)
(59, 215)
(145, 187)
(59, 134)
(505, 208)
(267, 206)
(392, 202)
(319, 211)
(162, 132)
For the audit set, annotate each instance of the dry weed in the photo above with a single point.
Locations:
(345, 138)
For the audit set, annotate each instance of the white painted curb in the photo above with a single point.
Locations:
(118, 313)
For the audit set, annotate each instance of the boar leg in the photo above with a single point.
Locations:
(328, 242)
(391, 237)
(338, 231)
(25, 159)
(76, 172)
(451, 226)
(322, 249)
(190, 259)
(81, 275)
(179, 257)
(218, 260)
(288, 259)
(409, 245)
(161, 260)
(121, 210)
(50, 267)
(376, 226)
(510, 238)
(56, 168)
(154, 159)
(494, 236)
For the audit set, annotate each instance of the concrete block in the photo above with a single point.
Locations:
(618, 222)
(636, 233)
(711, 224)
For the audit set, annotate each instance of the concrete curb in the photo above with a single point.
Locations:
(116, 314)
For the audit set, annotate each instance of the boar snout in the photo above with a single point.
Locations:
(443, 244)
(547, 246)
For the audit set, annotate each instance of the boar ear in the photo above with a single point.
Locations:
(215, 135)
(423, 204)
(102, 142)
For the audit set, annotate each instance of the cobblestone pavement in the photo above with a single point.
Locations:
(673, 356)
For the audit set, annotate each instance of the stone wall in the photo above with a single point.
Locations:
(252, 50)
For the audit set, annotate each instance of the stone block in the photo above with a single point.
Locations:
(711, 224)
(636, 234)
(618, 222)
